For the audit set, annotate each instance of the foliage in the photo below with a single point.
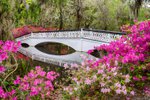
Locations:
(66, 14)
(26, 12)
(17, 32)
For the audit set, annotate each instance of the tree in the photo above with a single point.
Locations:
(135, 6)
(6, 18)
(60, 4)
(78, 8)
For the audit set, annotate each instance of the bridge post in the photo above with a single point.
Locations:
(31, 34)
(81, 36)
(81, 33)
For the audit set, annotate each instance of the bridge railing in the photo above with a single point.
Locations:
(104, 36)
(64, 34)
(100, 36)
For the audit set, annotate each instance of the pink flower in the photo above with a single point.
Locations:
(136, 78)
(100, 71)
(38, 68)
(14, 98)
(17, 81)
(147, 91)
(127, 78)
(32, 74)
(105, 90)
(51, 75)
(28, 98)
(12, 92)
(2, 93)
(24, 86)
(132, 68)
(41, 73)
(66, 66)
(75, 79)
(115, 73)
(90, 51)
(2, 69)
(36, 82)
(34, 91)
(102, 84)
(1, 42)
(118, 85)
(88, 81)
(73, 65)
(48, 83)
(3, 56)
(124, 92)
(132, 93)
(118, 91)
(144, 78)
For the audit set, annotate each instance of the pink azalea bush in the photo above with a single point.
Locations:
(131, 52)
(37, 83)
(96, 82)
(7, 49)
(123, 67)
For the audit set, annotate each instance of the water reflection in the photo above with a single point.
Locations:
(24, 45)
(54, 48)
(96, 53)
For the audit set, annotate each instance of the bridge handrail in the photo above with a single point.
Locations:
(105, 31)
(99, 35)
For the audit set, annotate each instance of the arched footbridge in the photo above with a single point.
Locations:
(80, 41)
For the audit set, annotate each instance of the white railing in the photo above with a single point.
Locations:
(93, 35)
(105, 37)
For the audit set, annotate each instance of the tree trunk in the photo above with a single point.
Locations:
(135, 8)
(78, 14)
(60, 16)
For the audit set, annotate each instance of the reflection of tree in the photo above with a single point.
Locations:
(55, 48)
(64, 50)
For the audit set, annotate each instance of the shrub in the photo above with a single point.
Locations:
(124, 67)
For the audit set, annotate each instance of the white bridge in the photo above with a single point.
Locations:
(80, 40)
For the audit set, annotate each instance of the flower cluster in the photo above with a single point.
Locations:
(7, 95)
(37, 82)
(130, 51)
(6, 48)
(101, 78)
(2, 69)
(147, 90)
